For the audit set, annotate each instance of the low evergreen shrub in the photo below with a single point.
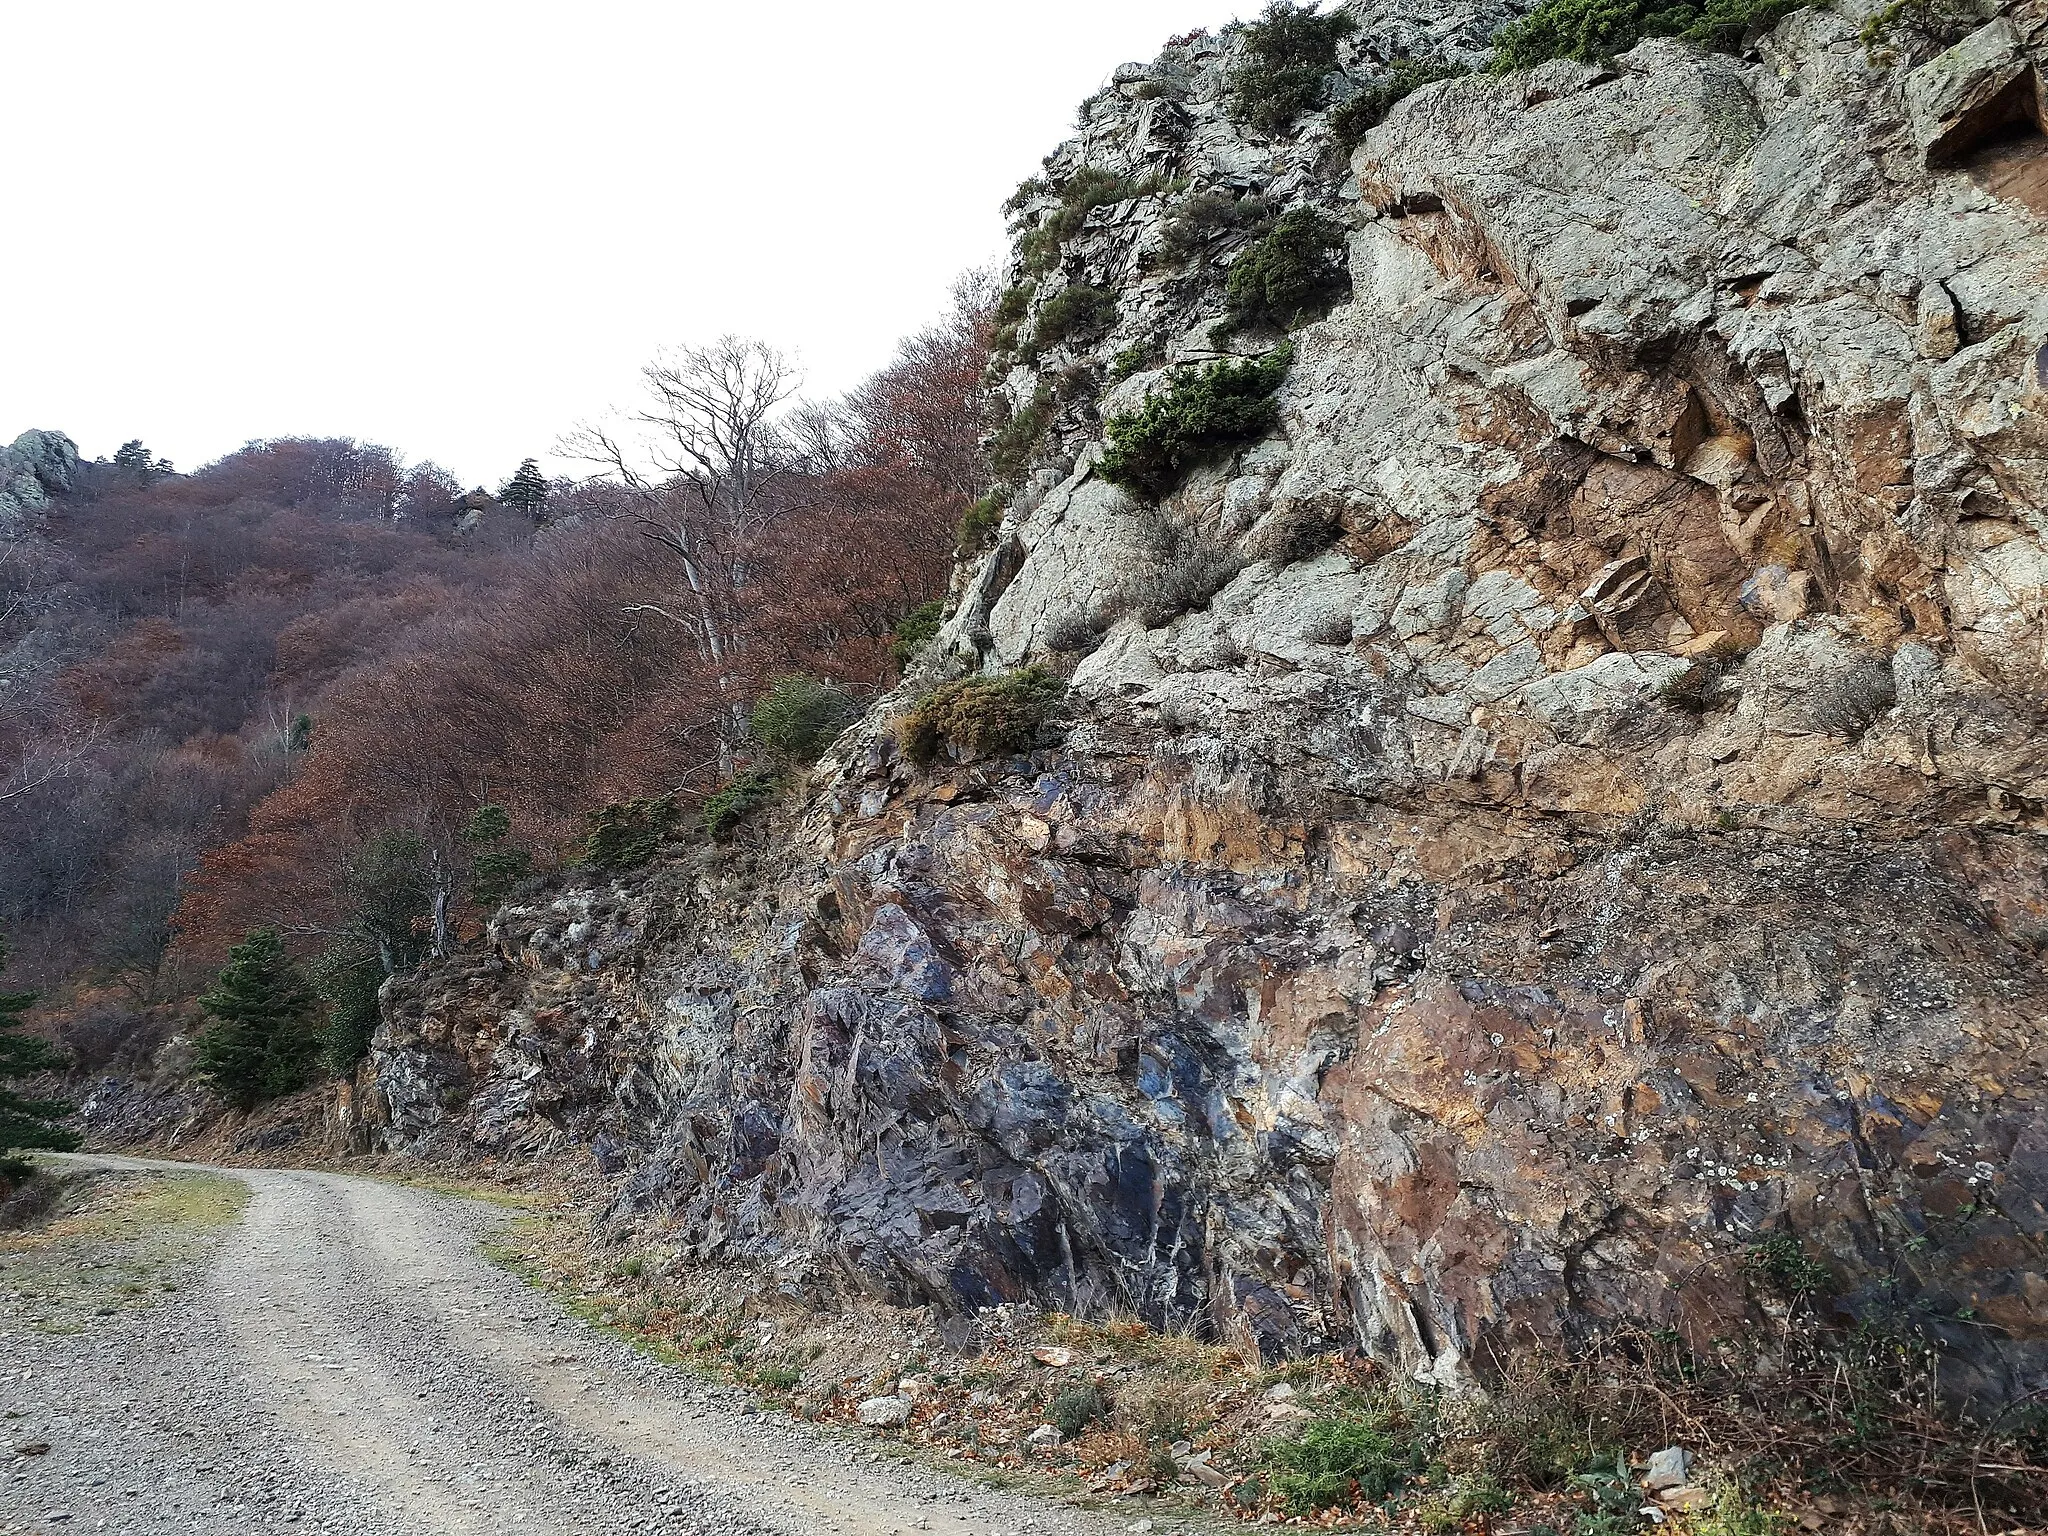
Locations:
(733, 804)
(1200, 414)
(916, 629)
(1294, 275)
(1350, 122)
(1209, 215)
(1020, 436)
(1289, 54)
(625, 835)
(1372, 1449)
(1077, 1407)
(981, 521)
(979, 717)
(347, 977)
(26, 1124)
(496, 865)
(1594, 31)
(1076, 313)
(799, 716)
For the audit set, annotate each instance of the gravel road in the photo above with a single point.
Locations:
(343, 1360)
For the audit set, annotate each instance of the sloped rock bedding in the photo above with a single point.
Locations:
(1597, 827)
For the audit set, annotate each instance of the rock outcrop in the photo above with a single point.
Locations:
(1578, 812)
(35, 467)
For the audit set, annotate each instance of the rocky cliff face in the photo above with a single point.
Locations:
(1585, 818)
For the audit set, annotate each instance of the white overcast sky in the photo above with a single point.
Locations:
(458, 228)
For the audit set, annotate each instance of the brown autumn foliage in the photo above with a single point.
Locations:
(578, 676)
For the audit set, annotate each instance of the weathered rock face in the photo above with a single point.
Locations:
(1598, 825)
(35, 467)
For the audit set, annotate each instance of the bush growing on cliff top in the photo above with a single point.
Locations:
(979, 716)
(1295, 274)
(1289, 54)
(1200, 414)
(1593, 31)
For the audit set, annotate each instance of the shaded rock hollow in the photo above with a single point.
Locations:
(1588, 820)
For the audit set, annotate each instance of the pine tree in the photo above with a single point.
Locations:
(526, 491)
(263, 1040)
(26, 1124)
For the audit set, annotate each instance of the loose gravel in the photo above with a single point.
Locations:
(344, 1360)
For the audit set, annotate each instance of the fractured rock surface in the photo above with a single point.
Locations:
(1598, 825)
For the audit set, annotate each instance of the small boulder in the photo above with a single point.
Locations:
(917, 1388)
(1043, 1438)
(1053, 1354)
(1667, 1469)
(885, 1412)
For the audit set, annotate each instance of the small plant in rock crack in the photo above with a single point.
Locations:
(733, 804)
(1020, 436)
(979, 525)
(1076, 313)
(1210, 216)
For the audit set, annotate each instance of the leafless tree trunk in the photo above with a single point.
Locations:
(708, 473)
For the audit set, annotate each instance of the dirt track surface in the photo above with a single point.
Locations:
(341, 1358)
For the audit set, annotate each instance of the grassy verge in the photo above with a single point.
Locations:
(110, 1242)
(1815, 1427)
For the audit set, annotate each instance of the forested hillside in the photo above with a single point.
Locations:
(277, 692)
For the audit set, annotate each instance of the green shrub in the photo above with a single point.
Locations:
(495, 866)
(778, 1378)
(1469, 1496)
(1077, 312)
(1015, 302)
(625, 835)
(1291, 276)
(1779, 1261)
(1318, 1468)
(1199, 415)
(26, 1124)
(1021, 434)
(1289, 54)
(347, 977)
(733, 804)
(1133, 359)
(915, 630)
(1075, 1408)
(1593, 31)
(981, 521)
(978, 717)
(800, 715)
(1207, 215)
(1369, 108)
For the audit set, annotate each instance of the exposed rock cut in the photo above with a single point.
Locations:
(1598, 824)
